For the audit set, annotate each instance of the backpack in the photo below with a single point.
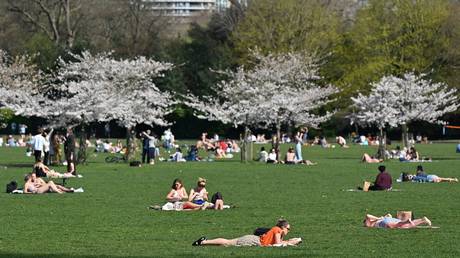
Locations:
(261, 231)
(11, 186)
(215, 197)
(135, 163)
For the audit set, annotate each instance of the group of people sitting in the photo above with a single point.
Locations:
(108, 147)
(404, 155)
(178, 199)
(290, 157)
(221, 148)
(36, 185)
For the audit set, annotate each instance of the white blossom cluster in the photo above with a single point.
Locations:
(88, 89)
(20, 85)
(101, 88)
(397, 101)
(277, 89)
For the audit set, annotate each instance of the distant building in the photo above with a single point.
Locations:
(188, 8)
(181, 8)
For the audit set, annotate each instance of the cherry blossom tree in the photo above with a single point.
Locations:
(398, 101)
(278, 89)
(102, 88)
(377, 109)
(21, 86)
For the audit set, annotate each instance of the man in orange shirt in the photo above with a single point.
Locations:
(274, 237)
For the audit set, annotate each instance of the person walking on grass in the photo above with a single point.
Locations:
(38, 143)
(274, 237)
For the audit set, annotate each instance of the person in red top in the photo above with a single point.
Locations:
(383, 180)
(273, 237)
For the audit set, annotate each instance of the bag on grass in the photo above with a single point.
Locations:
(135, 164)
(215, 197)
(11, 186)
(261, 231)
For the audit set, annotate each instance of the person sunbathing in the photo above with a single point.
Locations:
(388, 221)
(290, 158)
(274, 237)
(36, 185)
(370, 159)
(427, 178)
(41, 170)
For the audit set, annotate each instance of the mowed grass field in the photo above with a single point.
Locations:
(110, 218)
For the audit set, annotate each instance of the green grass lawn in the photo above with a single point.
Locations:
(111, 219)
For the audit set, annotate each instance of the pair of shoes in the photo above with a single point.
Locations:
(79, 190)
(199, 241)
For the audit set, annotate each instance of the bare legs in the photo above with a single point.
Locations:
(219, 205)
(446, 179)
(412, 224)
(368, 159)
(219, 241)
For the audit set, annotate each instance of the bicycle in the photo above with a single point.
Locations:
(115, 158)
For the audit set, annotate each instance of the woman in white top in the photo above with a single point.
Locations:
(178, 192)
(272, 156)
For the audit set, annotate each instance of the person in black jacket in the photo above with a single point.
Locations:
(69, 146)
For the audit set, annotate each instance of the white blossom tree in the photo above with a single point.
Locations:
(278, 89)
(21, 86)
(378, 109)
(102, 88)
(396, 101)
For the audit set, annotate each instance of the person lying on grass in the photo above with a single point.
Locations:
(35, 185)
(427, 178)
(274, 237)
(41, 170)
(388, 221)
(370, 159)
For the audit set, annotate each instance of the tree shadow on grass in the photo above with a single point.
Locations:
(17, 165)
(10, 255)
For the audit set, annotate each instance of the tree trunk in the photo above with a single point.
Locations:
(382, 145)
(244, 149)
(405, 136)
(130, 145)
(277, 143)
(81, 157)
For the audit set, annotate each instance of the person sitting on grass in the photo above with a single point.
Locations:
(177, 156)
(198, 196)
(387, 221)
(178, 192)
(341, 142)
(370, 159)
(272, 157)
(274, 237)
(383, 181)
(290, 158)
(41, 170)
(263, 155)
(35, 185)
